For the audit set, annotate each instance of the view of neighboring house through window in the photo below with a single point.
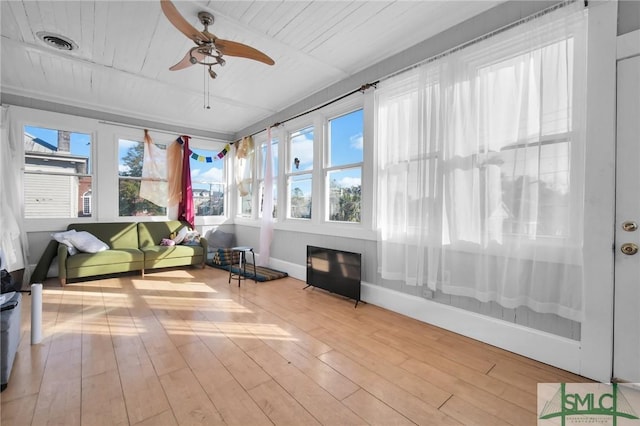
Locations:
(57, 173)
(208, 183)
(343, 169)
(299, 173)
(130, 160)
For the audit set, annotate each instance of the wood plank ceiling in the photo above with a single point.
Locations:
(125, 49)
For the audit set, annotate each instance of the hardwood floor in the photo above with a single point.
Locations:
(183, 347)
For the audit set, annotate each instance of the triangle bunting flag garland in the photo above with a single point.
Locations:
(204, 159)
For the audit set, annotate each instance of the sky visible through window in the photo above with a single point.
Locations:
(347, 148)
(80, 143)
(346, 139)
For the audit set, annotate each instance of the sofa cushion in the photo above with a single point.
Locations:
(165, 252)
(118, 235)
(106, 257)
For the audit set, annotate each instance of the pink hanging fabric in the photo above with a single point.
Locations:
(185, 208)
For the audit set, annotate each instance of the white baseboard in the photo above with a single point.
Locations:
(545, 347)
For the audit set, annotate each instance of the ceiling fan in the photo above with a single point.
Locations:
(209, 49)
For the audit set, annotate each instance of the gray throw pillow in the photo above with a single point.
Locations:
(219, 239)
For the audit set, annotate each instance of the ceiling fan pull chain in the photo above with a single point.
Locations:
(208, 91)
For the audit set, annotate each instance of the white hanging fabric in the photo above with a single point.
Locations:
(153, 186)
(481, 168)
(266, 226)
(13, 241)
(245, 154)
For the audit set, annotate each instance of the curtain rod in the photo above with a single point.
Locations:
(131, 126)
(486, 36)
(361, 89)
(198, 134)
(432, 58)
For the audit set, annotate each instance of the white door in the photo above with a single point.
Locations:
(626, 347)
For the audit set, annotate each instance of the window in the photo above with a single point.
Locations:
(208, 182)
(57, 173)
(535, 165)
(300, 173)
(274, 173)
(344, 167)
(481, 163)
(86, 203)
(130, 156)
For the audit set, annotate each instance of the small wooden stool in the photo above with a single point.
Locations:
(242, 263)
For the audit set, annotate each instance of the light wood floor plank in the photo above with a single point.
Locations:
(468, 414)
(182, 346)
(103, 401)
(189, 402)
(234, 404)
(279, 406)
(317, 401)
(374, 411)
(408, 405)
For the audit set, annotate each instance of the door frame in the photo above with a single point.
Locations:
(596, 345)
(625, 350)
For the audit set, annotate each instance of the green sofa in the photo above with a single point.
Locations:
(133, 246)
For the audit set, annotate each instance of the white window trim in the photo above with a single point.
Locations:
(53, 120)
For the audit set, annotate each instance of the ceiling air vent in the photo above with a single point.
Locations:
(57, 41)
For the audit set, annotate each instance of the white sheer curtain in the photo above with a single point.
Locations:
(13, 240)
(266, 223)
(481, 170)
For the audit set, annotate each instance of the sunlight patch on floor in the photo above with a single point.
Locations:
(235, 330)
(205, 305)
(199, 287)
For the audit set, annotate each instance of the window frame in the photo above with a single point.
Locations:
(287, 166)
(196, 144)
(327, 167)
(164, 138)
(139, 139)
(318, 224)
(57, 122)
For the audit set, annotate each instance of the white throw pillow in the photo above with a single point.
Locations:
(62, 238)
(181, 234)
(87, 242)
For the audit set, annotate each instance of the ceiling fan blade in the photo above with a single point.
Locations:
(232, 48)
(186, 61)
(179, 22)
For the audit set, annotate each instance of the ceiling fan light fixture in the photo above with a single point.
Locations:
(57, 41)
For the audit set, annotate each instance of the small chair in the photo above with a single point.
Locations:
(242, 263)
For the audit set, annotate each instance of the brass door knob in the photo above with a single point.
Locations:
(629, 249)
(630, 226)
